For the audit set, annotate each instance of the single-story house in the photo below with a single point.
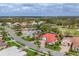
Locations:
(30, 32)
(0, 23)
(33, 23)
(49, 38)
(9, 24)
(16, 23)
(23, 24)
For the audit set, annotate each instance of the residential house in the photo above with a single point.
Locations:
(2, 43)
(29, 32)
(16, 23)
(0, 23)
(74, 41)
(23, 24)
(33, 23)
(9, 24)
(49, 38)
(41, 22)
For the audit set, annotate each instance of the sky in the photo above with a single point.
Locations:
(39, 9)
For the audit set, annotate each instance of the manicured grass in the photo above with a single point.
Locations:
(55, 47)
(10, 42)
(31, 53)
(21, 43)
(14, 44)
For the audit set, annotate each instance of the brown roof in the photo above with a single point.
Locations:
(3, 44)
(74, 40)
(1, 39)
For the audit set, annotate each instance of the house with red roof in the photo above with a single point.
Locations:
(49, 38)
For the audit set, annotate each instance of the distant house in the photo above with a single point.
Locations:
(33, 23)
(74, 41)
(41, 22)
(9, 24)
(1, 38)
(23, 24)
(2, 43)
(30, 32)
(16, 23)
(0, 23)
(49, 38)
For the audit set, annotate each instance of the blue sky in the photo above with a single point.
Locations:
(39, 9)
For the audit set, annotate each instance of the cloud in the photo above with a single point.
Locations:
(39, 9)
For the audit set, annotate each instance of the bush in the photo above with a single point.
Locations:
(5, 38)
(4, 33)
(19, 33)
(37, 43)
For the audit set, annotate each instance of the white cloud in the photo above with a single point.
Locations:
(3, 4)
(25, 8)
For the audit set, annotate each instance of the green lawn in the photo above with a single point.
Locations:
(10, 42)
(31, 52)
(55, 47)
(14, 44)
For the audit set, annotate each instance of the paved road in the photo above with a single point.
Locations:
(30, 44)
(18, 39)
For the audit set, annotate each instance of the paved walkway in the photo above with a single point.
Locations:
(64, 49)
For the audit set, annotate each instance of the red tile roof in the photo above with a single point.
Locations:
(51, 38)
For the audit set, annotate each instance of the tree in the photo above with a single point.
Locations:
(17, 27)
(58, 32)
(4, 33)
(19, 33)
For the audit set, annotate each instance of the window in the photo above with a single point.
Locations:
(44, 38)
(78, 49)
(50, 43)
